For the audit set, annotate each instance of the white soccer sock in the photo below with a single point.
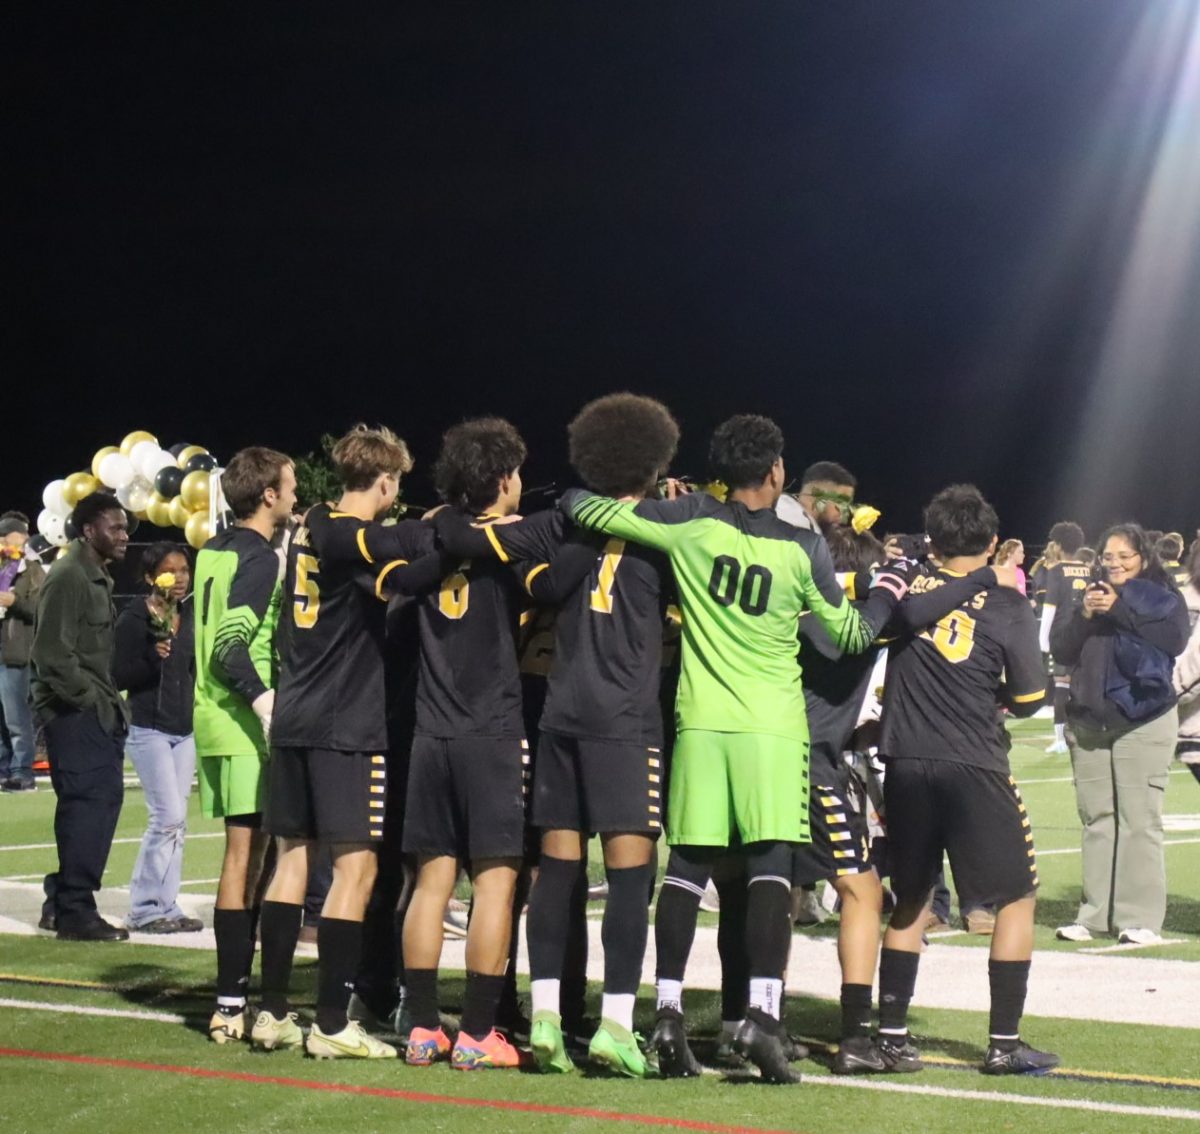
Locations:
(670, 995)
(1060, 733)
(231, 1002)
(545, 994)
(618, 1007)
(729, 1027)
(766, 994)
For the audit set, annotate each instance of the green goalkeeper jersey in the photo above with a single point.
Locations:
(744, 578)
(237, 595)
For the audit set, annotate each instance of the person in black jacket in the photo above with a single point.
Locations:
(154, 661)
(1121, 642)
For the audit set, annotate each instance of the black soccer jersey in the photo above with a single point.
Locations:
(340, 570)
(1066, 584)
(944, 683)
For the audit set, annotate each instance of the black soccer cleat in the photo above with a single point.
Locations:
(1021, 1060)
(792, 1047)
(859, 1055)
(760, 1041)
(669, 1042)
(900, 1055)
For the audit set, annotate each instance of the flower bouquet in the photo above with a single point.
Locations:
(162, 607)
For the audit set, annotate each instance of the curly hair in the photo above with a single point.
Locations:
(1067, 535)
(743, 449)
(960, 521)
(476, 455)
(622, 443)
(92, 507)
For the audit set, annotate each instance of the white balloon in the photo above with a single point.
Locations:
(53, 527)
(139, 495)
(117, 471)
(152, 465)
(141, 453)
(53, 499)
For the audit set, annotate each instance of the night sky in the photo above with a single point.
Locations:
(897, 228)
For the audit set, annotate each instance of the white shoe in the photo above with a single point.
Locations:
(806, 910)
(1058, 748)
(271, 1032)
(1073, 933)
(711, 901)
(1139, 937)
(1045, 713)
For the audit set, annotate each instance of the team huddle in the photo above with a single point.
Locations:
(484, 691)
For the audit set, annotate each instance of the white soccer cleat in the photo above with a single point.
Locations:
(350, 1043)
(271, 1032)
(1073, 933)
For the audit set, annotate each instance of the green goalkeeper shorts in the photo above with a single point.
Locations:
(231, 785)
(737, 787)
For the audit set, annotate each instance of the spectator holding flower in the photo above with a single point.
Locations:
(154, 662)
(21, 578)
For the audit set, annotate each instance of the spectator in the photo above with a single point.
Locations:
(1187, 672)
(21, 577)
(1012, 554)
(84, 715)
(154, 661)
(1122, 724)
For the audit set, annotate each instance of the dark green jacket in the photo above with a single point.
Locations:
(16, 631)
(73, 641)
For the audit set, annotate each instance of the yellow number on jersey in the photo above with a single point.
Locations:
(308, 598)
(602, 595)
(454, 596)
(954, 636)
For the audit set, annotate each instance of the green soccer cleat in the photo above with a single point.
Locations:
(271, 1033)
(350, 1043)
(616, 1049)
(546, 1042)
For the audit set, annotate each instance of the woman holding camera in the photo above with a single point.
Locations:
(1121, 643)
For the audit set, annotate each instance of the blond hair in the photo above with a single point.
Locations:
(364, 453)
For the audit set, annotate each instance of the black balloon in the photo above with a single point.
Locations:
(177, 448)
(167, 481)
(70, 530)
(201, 462)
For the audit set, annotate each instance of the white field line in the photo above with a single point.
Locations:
(199, 881)
(116, 842)
(1076, 850)
(1131, 946)
(80, 1010)
(1071, 779)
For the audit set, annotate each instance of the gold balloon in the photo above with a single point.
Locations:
(188, 453)
(194, 490)
(133, 438)
(100, 455)
(158, 511)
(180, 512)
(198, 530)
(78, 485)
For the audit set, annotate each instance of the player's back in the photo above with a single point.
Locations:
(1066, 584)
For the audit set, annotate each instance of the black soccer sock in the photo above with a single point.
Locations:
(856, 1010)
(421, 997)
(548, 923)
(731, 944)
(375, 980)
(280, 931)
(235, 954)
(573, 990)
(897, 979)
(1061, 695)
(339, 945)
(510, 1007)
(769, 909)
(480, 1003)
(625, 927)
(1009, 981)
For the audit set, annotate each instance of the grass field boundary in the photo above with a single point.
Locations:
(116, 842)
(87, 1010)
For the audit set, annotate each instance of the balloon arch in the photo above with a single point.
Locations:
(172, 487)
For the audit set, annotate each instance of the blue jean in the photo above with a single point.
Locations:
(165, 765)
(16, 736)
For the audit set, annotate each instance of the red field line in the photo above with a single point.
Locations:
(387, 1092)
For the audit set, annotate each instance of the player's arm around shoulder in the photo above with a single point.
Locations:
(655, 523)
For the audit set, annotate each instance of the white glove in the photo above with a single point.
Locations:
(263, 706)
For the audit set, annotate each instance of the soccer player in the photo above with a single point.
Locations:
(740, 765)
(1170, 551)
(825, 499)
(237, 608)
(1064, 582)
(327, 778)
(949, 789)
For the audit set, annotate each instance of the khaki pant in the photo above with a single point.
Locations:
(1119, 790)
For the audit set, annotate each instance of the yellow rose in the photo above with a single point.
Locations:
(165, 581)
(717, 490)
(864, 517)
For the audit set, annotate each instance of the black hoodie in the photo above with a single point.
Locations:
(161, 693)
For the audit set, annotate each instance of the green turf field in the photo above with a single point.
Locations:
(182, 1078)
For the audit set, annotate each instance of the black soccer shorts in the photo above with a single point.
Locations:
(466, 798)
(597, 786)
(328, 796)
(840, 842)
(974, 815)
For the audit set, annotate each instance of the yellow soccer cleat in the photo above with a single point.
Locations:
(270, 1032)
(352, 1042)
(228, 1027)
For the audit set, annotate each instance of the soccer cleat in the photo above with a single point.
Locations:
(271, 1032)
(1073, 933)
(455, 919)
(669, 1042)
(228, 1025)
(762, 1044)
(1021, 1060)
(806, 909)
(426, 1046)
(491, 1052)
(858, 1055)
(616, 1049)
(358, 1009)
(724, 1055)
(710, 902)
(1139, 937)
(979, 922)
(900, 1054)
(1058, 748)
(350, 1043)
(547, 1044)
